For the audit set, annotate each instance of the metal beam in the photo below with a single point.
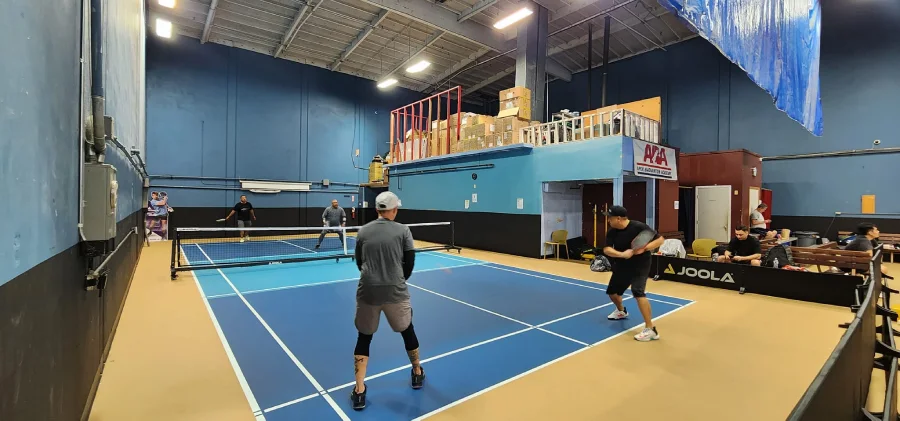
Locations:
(555, 68)
(299, 20)
(475, 9)
(474, 88)
(455, 68)
(359, 39)
(210, 16)
(636, 32)
(431, 40)
(438, 17)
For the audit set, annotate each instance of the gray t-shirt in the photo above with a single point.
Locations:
(379, 250)
(334, 217)
(756, 216)
(860, 244)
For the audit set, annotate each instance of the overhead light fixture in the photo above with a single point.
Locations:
(513, 18)
(163, 28)
(418, 67)
(387, 82)
(167, 3)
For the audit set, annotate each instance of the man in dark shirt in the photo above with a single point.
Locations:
(743, 249)
(245, 213)
(385, 255)
(866, 240)
(631, 268)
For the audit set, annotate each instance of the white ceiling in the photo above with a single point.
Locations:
(374, 41)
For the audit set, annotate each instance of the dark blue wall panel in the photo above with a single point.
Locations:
(710, 104)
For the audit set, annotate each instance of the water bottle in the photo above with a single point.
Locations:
(775, 263)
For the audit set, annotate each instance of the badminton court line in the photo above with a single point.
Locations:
(449, 353)
(284, 347)
(497, 314)
(494, 266)
(299, 247)
(254, 291)
(523, 374)
(251, 399)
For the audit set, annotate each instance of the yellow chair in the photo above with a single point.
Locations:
(701, 248)
(558, 239)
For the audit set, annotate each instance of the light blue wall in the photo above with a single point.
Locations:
(710, 104)
(39, 127)
(216, 111)
(516, 174)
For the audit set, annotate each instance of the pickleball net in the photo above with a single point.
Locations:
(217, 248)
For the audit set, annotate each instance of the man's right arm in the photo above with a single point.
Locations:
(325, 217)
(409, 254)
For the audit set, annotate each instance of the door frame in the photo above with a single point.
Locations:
(697, 190)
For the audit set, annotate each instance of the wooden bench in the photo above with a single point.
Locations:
(892, 239)
(827, 255)
(677, 235)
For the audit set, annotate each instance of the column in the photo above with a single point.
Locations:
(651, 202)
(619, 191)
(531, 58)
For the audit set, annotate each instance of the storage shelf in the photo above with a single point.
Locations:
(375, 185)
(489, 151)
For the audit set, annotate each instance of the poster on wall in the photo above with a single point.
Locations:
(654, 161)
(157, 220)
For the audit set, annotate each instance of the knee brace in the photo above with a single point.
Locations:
(362, 345)
(409, 338)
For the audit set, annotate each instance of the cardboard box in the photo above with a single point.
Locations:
(517, 92)
(479, 130)
(490, 141)
(508, 124)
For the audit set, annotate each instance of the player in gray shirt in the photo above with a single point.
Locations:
(333, 216)
(385, 255)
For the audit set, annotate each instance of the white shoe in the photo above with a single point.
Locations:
(647, 335)
(242, 239)
(618, 315)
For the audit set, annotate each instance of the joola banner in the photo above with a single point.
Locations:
(699, 272)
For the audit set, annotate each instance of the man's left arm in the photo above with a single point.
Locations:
(343, 218)
(409, 254)
(252, 213)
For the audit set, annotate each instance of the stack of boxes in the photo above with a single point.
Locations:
(515, 114)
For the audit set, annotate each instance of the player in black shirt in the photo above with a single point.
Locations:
(245, 213)
(743, 249)
(866, 240)
(631, 268)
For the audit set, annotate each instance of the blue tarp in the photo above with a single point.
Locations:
(775, 41)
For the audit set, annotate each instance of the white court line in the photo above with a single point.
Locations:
(284, 347)
(497, 314)
(289, 403)
(253, 291)
(254, 405)
(494, 266)
(304, 248)
(518, 376)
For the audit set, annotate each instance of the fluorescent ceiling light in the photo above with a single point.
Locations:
(167, 3)
(418, 67)
(386, 83)
(513, 18)
(163, 28)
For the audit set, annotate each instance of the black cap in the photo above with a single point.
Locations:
(616, 211)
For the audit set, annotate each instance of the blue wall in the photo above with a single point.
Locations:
(216, 111)
(710, 104)
(516, 174)
(39, 126)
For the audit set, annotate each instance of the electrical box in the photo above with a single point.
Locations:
(100, 196)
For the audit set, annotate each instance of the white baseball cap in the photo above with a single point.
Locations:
(387, 201)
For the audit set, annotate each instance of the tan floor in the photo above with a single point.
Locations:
(727, 356)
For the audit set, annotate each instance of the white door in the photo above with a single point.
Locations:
(713, 212)
(754, 200)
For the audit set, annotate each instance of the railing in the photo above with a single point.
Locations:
(589, 126)
(415, 131)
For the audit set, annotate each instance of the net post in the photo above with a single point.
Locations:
(344, 236)
(452, 234)
(174, 255)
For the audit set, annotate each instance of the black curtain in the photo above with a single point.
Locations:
(686, 214)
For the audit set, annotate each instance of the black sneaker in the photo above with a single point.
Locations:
(417, 379)
(317, 246)
(358, 399)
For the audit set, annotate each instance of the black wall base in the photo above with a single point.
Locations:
(53, 333)
(266, 217)
(828, 226)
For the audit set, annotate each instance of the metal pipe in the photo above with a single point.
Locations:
(97, 99)
(606, 25)
(853, 152)
(198, 177)
(440, 170)
(164, 186)
(591, 17)
(96, 272)
(590, 56)
(82, 137)
(636, 32)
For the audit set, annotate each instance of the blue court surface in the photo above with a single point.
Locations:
(288, 330)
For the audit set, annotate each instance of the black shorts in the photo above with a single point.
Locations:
(621, 280)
